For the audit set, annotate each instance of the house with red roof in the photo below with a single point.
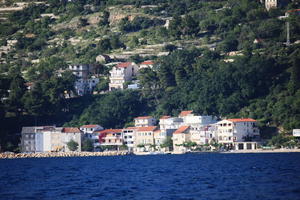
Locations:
(143, 121)
(144, 138)
(90, 132)
(146, 64)
(120, 74)
(110, 137)
(236, 133)
(180, 136)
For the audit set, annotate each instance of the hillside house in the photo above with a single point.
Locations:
(120, 74)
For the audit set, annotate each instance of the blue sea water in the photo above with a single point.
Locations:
(190, 176)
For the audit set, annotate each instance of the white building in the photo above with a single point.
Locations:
(128, 135)
(233, 131)
(270, 4)
(144, 121)
(90, 132)
(68, 134)
(170, 123)
(120, 74)
(85, 86)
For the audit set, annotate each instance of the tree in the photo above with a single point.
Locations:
(168, 143)
(294, 83)
(17, 90)
(87, 145)
(72, 145)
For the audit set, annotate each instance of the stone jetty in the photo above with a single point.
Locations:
(61, 154)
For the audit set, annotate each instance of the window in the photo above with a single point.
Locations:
(220, 138)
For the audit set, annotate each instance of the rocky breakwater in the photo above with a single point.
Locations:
(61, 154)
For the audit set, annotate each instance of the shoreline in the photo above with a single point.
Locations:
(61, 154)
(123, 153)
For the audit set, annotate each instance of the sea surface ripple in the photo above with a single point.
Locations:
(163, 177)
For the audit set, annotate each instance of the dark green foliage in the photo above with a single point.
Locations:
(87, 145)
(72, 145)
(114, 109)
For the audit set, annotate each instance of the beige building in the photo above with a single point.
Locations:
(270, 4)
(180, 136)
(144, 138)
(68, 134)
(120, 74)
(144, 121)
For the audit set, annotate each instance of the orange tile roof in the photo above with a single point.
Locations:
(143, 117)
(242, 120)
(106, 131)
(165, 117)
(147, 128)
(147, 62)
(132, 127)
(70, 130)
(89, 126)
(124, 64)
(185, 113)
(182, 129)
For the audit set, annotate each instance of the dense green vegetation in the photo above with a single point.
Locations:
(261, 80)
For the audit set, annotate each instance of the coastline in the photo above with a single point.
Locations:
(61, 154)
(123, 153)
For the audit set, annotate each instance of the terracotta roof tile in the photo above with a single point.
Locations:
(143, 117)
(185, 113)
(165, 117)
(182, 129)
(124, 64)
(242, 120)
(71, 130)
(106, 131)
(147, 128)
(147, 62)
(89, 126)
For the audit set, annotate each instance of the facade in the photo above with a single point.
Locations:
(85, 86)
(180, 136)
(231, 131)
(28, 139)
(68, 134)
(129, 137)
(144, 121)
(90, 132)
(144, 138)
(111, 137)
(270, 4)
(81, 71)
(120, 74)
(168, 123)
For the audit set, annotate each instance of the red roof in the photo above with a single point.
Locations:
(182, 129)
(242, 120)
(89, 126)
(71, 130)
(185, 113)
(165, 117)
(295, 10)
(147, 62)
(106, 131)
(124, 64)
(132, 127)
(143, 117)
(147, 128)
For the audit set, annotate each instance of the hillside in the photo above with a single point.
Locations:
(223, 58)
